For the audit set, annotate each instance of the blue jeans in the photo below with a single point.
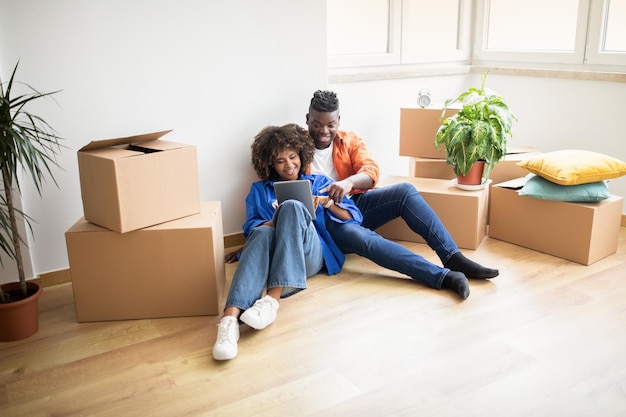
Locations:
(281, 256)
(382, 205)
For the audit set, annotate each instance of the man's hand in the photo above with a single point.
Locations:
(338, 189)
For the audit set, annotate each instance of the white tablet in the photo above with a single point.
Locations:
(295, 190)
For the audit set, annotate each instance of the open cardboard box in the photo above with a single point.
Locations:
(169, 270)
(138, 181)
(463, 213)
(579, 232)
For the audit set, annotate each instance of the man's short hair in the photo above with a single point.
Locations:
(324, 101)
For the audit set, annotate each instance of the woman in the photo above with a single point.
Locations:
(284, 245)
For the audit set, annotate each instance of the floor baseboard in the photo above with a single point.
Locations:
(236, 239)
(230, 241)
(56, 277)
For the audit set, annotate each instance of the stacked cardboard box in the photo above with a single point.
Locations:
(579, 232)
(505, 170)
(135, 182)
(433, 177)
(463, 213)
(146, 246)
(418, 128)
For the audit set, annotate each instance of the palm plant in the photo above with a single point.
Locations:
(29, 142)
(479, 131)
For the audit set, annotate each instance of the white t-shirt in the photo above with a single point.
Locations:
(323, 163)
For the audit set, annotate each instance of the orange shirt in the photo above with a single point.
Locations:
(351, 156)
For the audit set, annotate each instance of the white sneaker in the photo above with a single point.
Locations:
(225, 347)
(261, 314)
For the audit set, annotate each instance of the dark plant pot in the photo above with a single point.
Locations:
(474, 176)
(20, 319)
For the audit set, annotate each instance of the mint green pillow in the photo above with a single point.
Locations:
(543, 189)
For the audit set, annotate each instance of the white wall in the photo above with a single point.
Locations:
(214, 71)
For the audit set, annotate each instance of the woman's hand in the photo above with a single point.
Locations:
(329, 204)
(321, 200)
(231, 257)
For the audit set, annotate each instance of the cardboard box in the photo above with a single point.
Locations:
(169, 270)
(579, 232)
(138, 181)
(504, 170)
(418, 128)
(463, 213)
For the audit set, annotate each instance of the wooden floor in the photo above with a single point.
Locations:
(545, 338)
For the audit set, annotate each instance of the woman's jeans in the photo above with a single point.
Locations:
(382, 205)
(281, 256)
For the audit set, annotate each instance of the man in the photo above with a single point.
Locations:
(344, 157)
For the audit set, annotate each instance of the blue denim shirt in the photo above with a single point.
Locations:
(260, 209)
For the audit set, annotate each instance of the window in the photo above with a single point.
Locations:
(570, 34)
(607, 33)
(393, 32)
(435, 31)
(518, 26)
(361, 35)
(554, 33)
(614, 30)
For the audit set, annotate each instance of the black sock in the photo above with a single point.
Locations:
(458, 262)
(456, 281)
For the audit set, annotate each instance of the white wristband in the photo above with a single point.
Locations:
(329, 203)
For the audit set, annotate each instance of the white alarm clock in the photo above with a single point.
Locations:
(423, 98)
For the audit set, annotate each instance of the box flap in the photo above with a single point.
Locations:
(161, 145)
(96, 144)
(521, 149)
(515, 184)
(82, 226)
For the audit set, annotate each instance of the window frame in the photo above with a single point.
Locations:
(391, 57)
(482, 55)
(397, 54)
(596, 32)
(473, 15)
(464, 36)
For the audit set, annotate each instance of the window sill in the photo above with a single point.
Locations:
(348, 75)
(618, 77)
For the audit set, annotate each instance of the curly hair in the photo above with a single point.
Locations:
(324, 101)
(272, 140)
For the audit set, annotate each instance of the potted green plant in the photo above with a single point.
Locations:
(478, 132)
(28, 145)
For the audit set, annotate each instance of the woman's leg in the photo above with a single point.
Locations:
(298, 250)
(297, 255)
(251, 275)
(247, 285)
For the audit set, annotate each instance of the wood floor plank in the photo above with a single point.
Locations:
(547, 337)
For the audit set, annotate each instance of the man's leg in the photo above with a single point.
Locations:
(382, 205)
(353, 238)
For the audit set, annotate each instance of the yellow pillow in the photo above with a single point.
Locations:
(572, 167)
